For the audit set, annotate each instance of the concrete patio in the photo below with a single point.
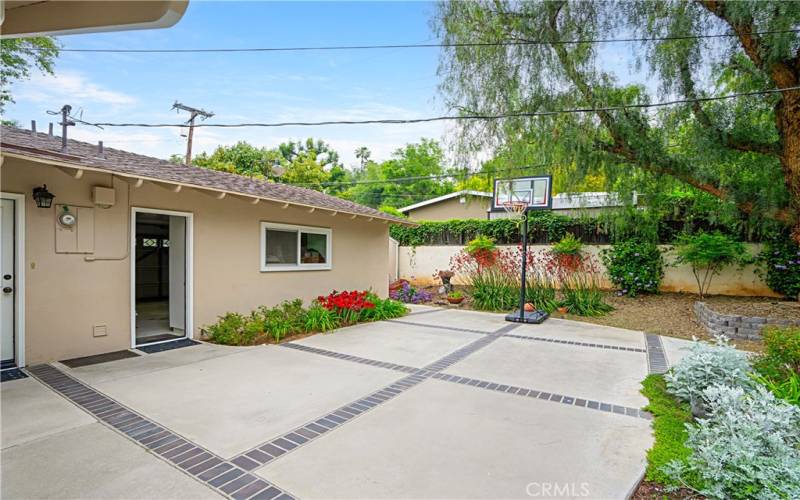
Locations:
(438, 404)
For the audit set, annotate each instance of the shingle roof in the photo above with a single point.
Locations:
(83, 154)
(463, 192)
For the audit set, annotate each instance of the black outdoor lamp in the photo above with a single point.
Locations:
(43, 197)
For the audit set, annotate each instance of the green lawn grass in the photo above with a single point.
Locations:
(669, 427)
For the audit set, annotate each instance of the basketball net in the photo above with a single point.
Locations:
(515, 206)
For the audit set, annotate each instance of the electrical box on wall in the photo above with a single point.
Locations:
(74, 229)
(104, 196)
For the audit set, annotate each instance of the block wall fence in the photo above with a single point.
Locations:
(418, 265)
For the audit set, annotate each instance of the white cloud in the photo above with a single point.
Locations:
(69, 87)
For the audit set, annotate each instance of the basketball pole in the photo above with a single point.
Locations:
(522, 288)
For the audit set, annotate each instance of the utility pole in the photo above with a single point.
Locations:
(193, 113)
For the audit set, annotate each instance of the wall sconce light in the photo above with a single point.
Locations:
(43, 197)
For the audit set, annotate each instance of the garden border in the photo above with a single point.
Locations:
(735, 326)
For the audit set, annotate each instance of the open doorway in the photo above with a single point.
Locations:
(160, 276)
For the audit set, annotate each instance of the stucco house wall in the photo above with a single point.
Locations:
(474, 207)
(66, 294)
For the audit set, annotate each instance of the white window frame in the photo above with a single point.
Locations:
(298, 266)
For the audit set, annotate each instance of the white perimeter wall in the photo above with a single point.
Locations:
(419, 264)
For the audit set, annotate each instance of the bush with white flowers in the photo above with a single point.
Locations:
(749, 447)
(706, 365)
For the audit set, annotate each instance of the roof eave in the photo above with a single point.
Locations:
(80, 167)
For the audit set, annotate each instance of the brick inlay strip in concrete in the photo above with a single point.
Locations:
(543, 395)
(274, 448)
(656, 356)
(348, 357)
(576, 343)
(226, 478)
(266, 452)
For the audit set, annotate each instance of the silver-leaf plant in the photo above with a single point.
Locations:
(707, 365)
(749, 447)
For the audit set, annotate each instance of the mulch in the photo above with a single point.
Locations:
(648, 490)
(672, 314)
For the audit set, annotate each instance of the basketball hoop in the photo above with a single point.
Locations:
(516, 205)
(515, 208)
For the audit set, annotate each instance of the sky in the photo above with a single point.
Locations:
(263, 87)
(257, 87)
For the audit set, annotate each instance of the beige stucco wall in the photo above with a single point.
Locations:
(475, 207)
(419, 264)
(66, 294)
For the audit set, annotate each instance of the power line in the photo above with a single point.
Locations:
(498, 116)
(457, 175)
(421, 45)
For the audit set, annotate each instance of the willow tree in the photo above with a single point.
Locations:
(527, 57)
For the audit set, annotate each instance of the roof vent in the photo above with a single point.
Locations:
(100, 148)
(50, 129)
(33, 128)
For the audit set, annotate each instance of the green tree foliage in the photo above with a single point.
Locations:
(708, 254)
(241, 158)
(18, 56)
(744, 151)
(304, 170)
(418, 160)
(311, 163)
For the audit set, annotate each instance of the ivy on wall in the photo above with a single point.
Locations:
(543, 227)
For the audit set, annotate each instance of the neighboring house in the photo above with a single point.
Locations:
(135, 250)
(459, 205)
(588, 204)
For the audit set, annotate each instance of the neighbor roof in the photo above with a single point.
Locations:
(464, 192)
(589, 199)
(16, 142)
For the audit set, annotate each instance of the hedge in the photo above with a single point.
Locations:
(544, 227)
(547, 227)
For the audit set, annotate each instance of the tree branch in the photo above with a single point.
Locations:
(744, 145)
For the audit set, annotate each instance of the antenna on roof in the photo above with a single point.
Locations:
(193, 113)
(66, 121)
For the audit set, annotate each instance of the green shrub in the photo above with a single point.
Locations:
(787, 389)
(278, 326)
(780, 266)
(387, 309)
(543, 226)
(781, 355)
(541, 292)
(706, 365)
(708, 254)
(494, 290)
(232, 329)
(294, 312)
(319, 319)
(670, 417)
(634, 267)
(568, 245)
(582, 295)
(748, 447)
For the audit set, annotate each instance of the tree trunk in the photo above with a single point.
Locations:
(787, 120)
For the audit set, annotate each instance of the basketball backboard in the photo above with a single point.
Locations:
(535, 190)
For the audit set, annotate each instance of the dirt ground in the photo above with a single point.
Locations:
(672, 314)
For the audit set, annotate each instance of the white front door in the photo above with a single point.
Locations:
(7, 282)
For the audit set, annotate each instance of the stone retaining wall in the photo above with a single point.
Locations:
(733, 326)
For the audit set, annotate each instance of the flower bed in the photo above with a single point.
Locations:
(726, 425)
(564, 271)
(291, 319)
